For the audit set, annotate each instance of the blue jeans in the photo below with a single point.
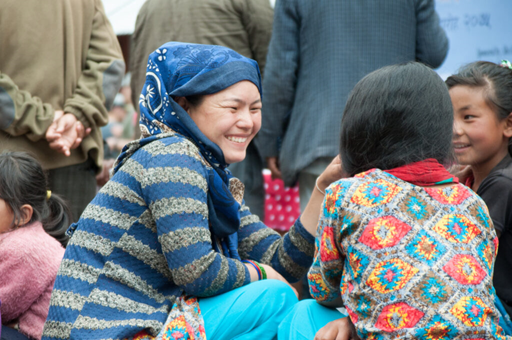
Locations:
(250, 312)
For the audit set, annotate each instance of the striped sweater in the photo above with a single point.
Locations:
(144, 240)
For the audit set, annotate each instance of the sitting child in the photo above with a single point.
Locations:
(401, 244)
(29, 256)
(482, 99)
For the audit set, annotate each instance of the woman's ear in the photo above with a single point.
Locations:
(507, 132)
(26, 214)
(183, 102)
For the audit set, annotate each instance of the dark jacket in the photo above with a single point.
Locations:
(319, 50)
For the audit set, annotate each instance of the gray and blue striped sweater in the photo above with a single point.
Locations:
(144, 240)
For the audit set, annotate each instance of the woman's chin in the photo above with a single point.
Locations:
(232, 159)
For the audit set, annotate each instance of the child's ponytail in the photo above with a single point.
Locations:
(58, 219)
(508, 65)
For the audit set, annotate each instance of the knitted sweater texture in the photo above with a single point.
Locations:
(144, 240)
(29, 260)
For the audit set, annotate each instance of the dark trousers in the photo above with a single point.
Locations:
(12, 334)
(249, 171)
(76, 184)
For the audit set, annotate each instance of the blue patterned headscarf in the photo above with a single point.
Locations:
(182, 69)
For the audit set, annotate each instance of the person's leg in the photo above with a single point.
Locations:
(306, 186)
(76, 184)
(306, 318)
(307, 179)
(11, 334)
(250, 312)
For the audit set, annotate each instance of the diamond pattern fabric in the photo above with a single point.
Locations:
(408, 262)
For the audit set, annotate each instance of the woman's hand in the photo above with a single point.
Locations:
(332, 173)
(311, 214)
(273, 166)
(272, 274)
(340, 329)
(462, 172)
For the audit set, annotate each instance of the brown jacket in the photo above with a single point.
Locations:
(56, 55)
(245, 26)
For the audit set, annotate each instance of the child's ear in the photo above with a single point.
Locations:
(507, 132)
(26, 214)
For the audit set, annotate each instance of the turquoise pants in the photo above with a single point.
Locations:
(250, 312)
(505, 321)
(306, 318)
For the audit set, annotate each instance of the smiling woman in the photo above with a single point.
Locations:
(168, 248)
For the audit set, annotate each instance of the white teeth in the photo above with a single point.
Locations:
(460, 146)
(237, 139)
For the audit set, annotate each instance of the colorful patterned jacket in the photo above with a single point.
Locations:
(407, 261)
(144, 241)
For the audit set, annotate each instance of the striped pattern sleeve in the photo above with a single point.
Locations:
(290, 255)
(175, 188)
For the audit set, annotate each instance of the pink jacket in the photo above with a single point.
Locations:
(29, 261)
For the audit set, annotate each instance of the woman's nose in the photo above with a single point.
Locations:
(245, 120)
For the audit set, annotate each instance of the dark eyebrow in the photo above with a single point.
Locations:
(241, 101)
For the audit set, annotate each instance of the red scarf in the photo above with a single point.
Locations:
(424, 173)
(469, 181)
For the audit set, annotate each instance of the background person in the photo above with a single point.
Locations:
(317, 54)
(60, 68)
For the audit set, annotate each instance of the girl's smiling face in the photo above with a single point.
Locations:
(229, 118)
(479, 138)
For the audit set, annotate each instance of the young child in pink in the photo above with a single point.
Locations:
(29, 256)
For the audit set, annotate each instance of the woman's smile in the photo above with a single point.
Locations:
(238, 140)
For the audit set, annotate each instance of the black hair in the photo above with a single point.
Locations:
(494, 79)
(394, 116)
(195, 100)
(23, 181)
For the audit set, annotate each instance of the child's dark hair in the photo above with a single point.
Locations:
(495, 80)
(394, 116)
(23, 181)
